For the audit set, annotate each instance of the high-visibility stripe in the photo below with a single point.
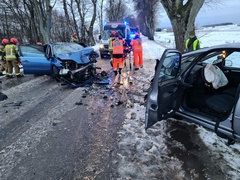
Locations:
(195, 44)
(10, 56)
(110, 45)
(117, 46)
(186, 44)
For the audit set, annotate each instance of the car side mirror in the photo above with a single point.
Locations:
(228, 63)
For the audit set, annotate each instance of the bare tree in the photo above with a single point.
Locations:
(43, 10)
(19, 20)
(182, 16)
(87, 12)
(147, 16)
(100, 15)
(117, 10)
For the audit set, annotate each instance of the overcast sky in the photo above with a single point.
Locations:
(227, 11)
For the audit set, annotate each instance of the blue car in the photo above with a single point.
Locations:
(67, 60)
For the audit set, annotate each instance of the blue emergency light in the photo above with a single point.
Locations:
(132, 35)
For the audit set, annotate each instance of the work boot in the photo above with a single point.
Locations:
(19, 75)
(116, 79)
(120, 79)
(9, 76)
(111, 62)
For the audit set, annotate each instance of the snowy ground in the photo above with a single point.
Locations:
(150, 159)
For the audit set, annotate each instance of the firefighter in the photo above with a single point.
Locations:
(136, 43)
(192, 43)
(12, 58)
(117, 44)
(110, 46)
(74, 38)
(3, 64)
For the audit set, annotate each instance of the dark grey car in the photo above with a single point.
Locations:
(201, 86)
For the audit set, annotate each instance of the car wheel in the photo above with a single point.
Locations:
(55, 71)
(102, 56)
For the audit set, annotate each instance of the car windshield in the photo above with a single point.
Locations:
(107, 33)
(60, 48)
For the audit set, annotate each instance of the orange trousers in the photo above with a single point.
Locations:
(138, 59)
(117, 63)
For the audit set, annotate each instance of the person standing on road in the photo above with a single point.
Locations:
(11, 51)
(192, 43)
(110, 46)
(117, 54)
(3, 64)
(137, 51)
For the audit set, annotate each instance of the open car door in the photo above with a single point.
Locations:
(33, 60)
(165, 92)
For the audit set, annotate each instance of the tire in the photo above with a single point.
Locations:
(55, 71)
(102, 56)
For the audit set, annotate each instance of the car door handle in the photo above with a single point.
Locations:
(154, 106)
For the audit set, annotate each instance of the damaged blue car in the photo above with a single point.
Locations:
(66, 60)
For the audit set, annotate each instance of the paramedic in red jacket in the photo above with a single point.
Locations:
(137, 51)
(118, 63)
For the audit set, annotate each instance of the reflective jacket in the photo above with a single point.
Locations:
(192, 44)
(11, 51)
(136, 44)
(110, 45)
(74, 39)
(117, 46)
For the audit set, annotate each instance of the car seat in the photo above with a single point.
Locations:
(221, 103)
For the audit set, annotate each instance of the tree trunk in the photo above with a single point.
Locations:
(44, 18)
(182, 16)
(90, 29)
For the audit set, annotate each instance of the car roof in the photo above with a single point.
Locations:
(222, 46)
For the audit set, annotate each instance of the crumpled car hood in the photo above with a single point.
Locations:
(80, 56)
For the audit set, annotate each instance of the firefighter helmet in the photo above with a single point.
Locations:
(39, 43)
(74, 34)
(4, 41)
(14, 40)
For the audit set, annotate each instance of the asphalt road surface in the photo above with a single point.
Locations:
(50, 131)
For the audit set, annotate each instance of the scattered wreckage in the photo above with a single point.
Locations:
(68, 62)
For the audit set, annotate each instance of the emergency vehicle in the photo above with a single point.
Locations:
(133, 31)
(123, 30)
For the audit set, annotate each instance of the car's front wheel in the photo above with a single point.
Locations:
(55, 71)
